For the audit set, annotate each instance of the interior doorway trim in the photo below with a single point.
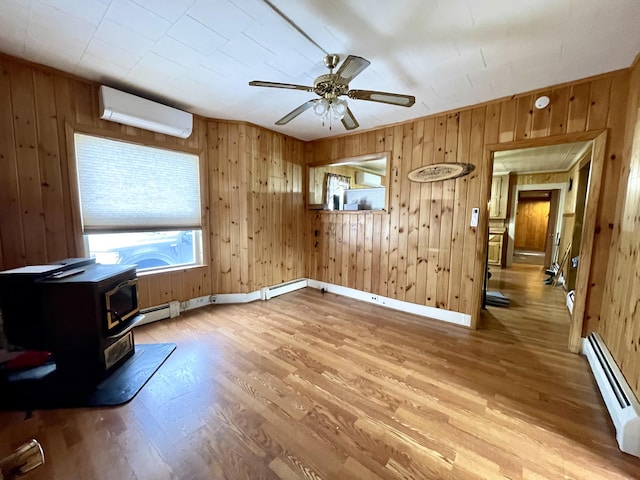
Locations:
(514, 208)
(599, 138)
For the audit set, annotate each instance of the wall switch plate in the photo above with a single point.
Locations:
(475, 212)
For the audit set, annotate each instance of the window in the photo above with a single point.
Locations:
(335, 188)
(139, 205)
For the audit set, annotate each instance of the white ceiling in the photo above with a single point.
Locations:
(552, 158)
(199, 55)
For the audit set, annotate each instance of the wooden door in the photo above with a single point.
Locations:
(532, 219)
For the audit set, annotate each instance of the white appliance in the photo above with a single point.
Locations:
(368, 179)
(122, 107)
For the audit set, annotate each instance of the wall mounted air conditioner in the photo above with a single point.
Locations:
(368, 179)
(121, 107)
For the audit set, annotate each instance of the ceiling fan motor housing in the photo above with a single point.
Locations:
(328, 87)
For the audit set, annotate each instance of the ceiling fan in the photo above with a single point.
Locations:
(331, 86)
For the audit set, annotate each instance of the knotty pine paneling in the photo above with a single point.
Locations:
(540, 178)
(252, 188)
(573, 176)
(619, 323)
(37, 193)
(257, 212)
(446, 254)
(259, 239)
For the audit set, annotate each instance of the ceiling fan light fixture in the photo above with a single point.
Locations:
(332, 110)
(338, 108)
(321, 107)
(330, 87)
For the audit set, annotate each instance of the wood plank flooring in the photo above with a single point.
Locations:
(537, 312)
(316, 386)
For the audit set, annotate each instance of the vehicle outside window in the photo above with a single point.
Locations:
(147, 250)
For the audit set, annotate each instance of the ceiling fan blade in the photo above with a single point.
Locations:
(294, 113)
(383, 97)
(350, 68)
(349, 121)
(290, 86)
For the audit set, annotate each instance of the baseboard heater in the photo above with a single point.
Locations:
(281, 289)
(620, 400)
(160, 312)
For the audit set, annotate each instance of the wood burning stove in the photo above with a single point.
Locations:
(89, 316)
(83, 315)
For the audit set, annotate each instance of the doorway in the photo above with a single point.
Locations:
(534, 225)
(538, 227)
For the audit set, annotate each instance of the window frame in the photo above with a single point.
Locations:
(80, 242)
(349, 160)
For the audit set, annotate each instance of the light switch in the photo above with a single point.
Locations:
(474, 216)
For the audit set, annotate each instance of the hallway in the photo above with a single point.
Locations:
(537, 313)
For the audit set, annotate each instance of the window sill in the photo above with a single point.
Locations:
(375, 212)
(177, 268)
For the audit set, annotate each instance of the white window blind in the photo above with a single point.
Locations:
(124, 186)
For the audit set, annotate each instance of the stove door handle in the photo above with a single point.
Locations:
(134, 322)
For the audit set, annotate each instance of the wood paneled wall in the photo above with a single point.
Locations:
(423, 250)
(570, 197)
(37, 195)
(541, 178)
(252, 189)
(257, 207)
(619, 324)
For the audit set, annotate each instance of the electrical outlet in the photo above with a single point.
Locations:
(374, 298)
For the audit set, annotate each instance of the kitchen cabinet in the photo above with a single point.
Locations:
(495, 248)
(499, 203)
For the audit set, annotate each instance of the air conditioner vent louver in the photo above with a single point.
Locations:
(121, 107)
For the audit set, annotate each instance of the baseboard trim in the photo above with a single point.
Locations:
(222, 298)
(448, 316)
(162, 312)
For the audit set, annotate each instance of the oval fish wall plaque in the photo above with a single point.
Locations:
(440, 171)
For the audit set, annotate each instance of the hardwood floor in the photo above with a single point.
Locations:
(537, 312)
(316, 386)
(529, 257)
